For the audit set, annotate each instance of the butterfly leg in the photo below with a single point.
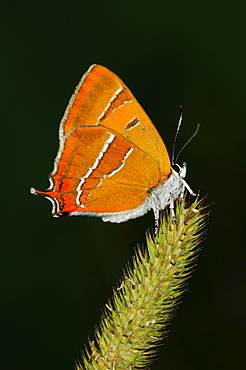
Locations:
(157, 215)
(171, 206)
(186, 186)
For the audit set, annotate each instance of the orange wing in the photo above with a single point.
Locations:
(110, 153)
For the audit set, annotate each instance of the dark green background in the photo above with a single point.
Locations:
(56, 274)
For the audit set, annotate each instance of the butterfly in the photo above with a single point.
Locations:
(111, 160)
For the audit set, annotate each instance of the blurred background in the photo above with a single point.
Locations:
(56, 274)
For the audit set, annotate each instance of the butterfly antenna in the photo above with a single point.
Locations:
(176, 136)
(188, 141)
